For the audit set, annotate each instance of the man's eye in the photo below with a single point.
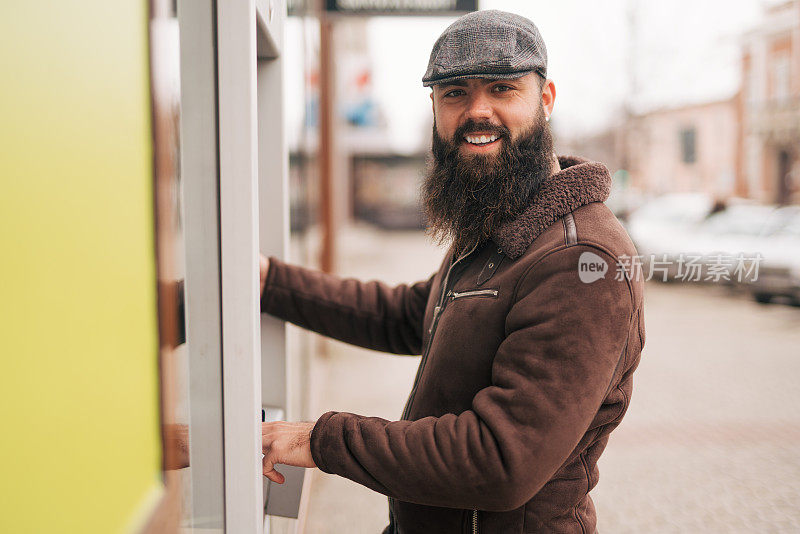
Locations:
(455, 92)
(502, 88)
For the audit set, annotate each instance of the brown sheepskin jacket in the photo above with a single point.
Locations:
(528, 343)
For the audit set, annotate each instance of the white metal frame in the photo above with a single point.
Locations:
(273, 171)
(232, 138)
(241, 332)
(280, 378)
(199, 176)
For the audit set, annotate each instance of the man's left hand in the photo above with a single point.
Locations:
(285, 443)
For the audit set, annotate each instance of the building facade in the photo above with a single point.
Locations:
(683, 149)
(769, 108)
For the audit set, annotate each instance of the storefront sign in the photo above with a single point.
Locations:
(388, 7)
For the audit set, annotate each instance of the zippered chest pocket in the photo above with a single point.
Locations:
(451, 296)
(491, 293)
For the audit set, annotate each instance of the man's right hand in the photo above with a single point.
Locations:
(263, 268)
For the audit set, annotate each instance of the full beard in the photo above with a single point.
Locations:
(466, 197)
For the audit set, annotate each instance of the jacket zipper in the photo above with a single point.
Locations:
(436, 312)
(475, 293)
(474, 522)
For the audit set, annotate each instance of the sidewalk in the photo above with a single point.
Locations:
(361, 381)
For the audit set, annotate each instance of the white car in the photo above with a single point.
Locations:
(729, 244)
(779, 269)
(680, 239)
(658, 228)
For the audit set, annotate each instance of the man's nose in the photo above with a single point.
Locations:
(479, 107)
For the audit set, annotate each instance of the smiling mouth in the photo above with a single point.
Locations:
(481, 140)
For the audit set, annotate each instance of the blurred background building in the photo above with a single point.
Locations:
(687, 148)
(769, 107)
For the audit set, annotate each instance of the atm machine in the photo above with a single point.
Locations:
(234, 179)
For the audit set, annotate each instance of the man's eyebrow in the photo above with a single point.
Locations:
(456, 83)
(483, 81)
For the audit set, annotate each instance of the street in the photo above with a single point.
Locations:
(711, 442)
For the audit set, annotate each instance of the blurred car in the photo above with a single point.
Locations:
(657, 223)
(659, 228)
(730, 242)
(691, 238)
(779, 270)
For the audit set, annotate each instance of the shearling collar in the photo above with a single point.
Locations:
(579, 182)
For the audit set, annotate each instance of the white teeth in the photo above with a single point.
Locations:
(483, 139)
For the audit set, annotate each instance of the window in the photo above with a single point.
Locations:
(688, 145)
(781, 78)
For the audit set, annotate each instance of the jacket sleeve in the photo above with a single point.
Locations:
(549, 377)
(369, 314)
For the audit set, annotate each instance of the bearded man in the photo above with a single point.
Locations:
(529, 331)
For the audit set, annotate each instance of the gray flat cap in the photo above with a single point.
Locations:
(487, 44)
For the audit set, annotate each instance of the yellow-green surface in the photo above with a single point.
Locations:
(79, 442)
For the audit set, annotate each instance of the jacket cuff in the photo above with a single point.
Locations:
(318, 446)
(271, 268)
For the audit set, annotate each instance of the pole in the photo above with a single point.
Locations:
(326, 118)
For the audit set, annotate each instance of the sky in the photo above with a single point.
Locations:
(601, 55)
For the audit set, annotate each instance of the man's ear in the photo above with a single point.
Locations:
(432, 106)
(548, 96)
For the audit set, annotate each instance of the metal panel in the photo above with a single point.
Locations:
(281, 378)
(270, 15)
(273, 192)
(241, 343)
(196, 19)
(218, 46)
